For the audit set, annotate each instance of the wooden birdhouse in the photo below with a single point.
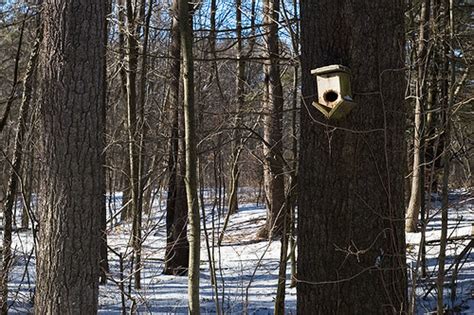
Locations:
(334, 91)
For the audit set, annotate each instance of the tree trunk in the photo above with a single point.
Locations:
(15, 172)
(274, 180)
(281, 285)
(417, 192)
(126, 213)
(177, 246)
(144, 162)
(294, 131)
(236, 134)
(104, 261)
(351, 241)
(71, 115)
(133, 140)
(186, 34)
(292, 216)
(27, 190)
(286, 234)
(447, 97)
(413, 210)
(236, 141)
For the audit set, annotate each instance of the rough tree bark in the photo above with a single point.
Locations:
(294, 132)
(145, 163)
(72, 56)
(133, 139)
(447, 98)
(177, 246)
(351, 241)
(104, 261)
(126, 213)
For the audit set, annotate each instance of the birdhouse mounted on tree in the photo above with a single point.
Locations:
(334, 91)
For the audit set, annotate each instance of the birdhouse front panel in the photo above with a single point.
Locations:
(329, 89)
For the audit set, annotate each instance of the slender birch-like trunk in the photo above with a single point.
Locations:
(194, 236)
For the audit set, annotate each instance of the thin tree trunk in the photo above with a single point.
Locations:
(236, 134)
(210, 256)
(28, 170)
(273, 109)
(144, 162)
(126, 213)
(429, 160)
(236, 141)
(133, 146)
(104, 261)
(413, 209)
(292, 218)
(281, 286)
(186, 35)
(448, 101)
(177, 245)
(417, 190)
(16, 167)
(15, 81)
(142, 125)
(286, 235)
(295, 35)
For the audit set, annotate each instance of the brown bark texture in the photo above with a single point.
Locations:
(274, 180)
(236, 134)
(177, 246)
(104, 261)
(72, 84)
(351, 254)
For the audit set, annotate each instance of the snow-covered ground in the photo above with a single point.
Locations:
(460, 233)
(236, 261)
(246, 270)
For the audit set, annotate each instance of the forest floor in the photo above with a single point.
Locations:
(246, 270)
(460, 233)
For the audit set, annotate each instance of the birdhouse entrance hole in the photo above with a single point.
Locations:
(330, 96)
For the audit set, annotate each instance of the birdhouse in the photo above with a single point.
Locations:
(334, 91)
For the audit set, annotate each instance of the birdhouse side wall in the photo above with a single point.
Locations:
(345, 85)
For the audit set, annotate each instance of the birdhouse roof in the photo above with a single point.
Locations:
(330, 69)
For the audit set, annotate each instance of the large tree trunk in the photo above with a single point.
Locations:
(177, 246)
(73, 127)
(274, 180)
(351, 241)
